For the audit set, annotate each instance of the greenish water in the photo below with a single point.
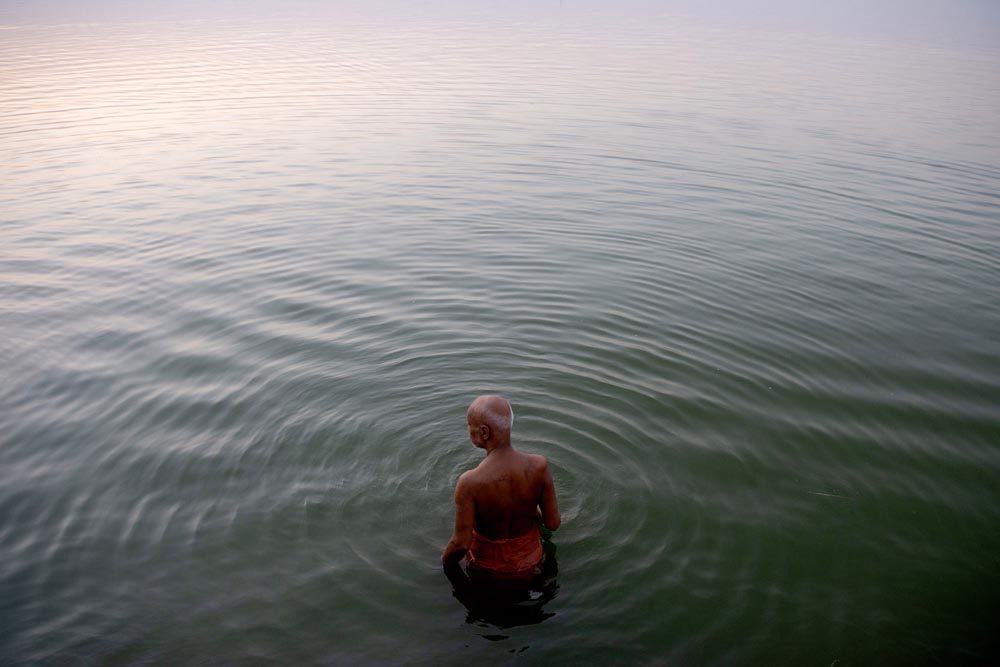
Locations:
(740, 286)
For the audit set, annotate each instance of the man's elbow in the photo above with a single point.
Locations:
(452, 557)
(553, 523)
(455, 550)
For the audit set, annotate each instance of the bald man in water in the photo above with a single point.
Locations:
(497, 503)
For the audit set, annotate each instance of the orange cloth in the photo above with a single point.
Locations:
(515, 554)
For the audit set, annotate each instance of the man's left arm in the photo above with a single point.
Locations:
(465, 514)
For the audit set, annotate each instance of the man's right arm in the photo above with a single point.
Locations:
(548, 504)
(465, 511)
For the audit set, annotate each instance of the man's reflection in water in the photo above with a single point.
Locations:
(506, 600)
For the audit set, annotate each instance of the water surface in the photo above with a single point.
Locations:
(740, 285)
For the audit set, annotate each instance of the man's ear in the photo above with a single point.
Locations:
(484, 431)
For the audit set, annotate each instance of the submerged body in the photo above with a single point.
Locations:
(498, 503)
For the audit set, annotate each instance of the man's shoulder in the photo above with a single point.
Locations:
(538, 461)
(466, 484)
(536, 465)
(470, 479)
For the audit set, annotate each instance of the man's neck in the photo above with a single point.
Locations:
(499, 449)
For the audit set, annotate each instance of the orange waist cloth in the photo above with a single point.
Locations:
(515, 554)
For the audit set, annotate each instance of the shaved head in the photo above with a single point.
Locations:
(493, 411)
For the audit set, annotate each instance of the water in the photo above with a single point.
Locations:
(739, 283)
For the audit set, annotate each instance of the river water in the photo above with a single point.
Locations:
(739, 283)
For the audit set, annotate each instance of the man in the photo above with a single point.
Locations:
(497, 503)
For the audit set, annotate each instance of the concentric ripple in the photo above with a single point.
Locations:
(739, 285)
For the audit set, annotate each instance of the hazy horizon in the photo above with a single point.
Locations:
(959, 23)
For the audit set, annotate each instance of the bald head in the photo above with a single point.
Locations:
(494, 412)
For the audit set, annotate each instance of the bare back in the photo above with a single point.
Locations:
(508, 487)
